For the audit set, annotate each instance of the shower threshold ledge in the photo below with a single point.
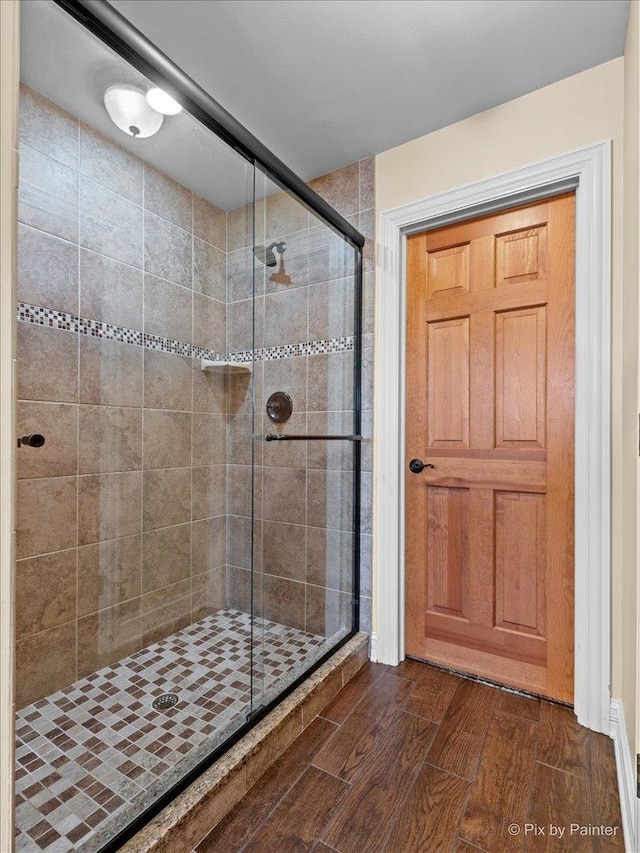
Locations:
(195, 812)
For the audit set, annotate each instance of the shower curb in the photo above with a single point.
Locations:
(188, 819)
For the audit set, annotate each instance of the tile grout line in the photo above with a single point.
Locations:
(79, 363)
(143, 408)
(560, 770)
(192, 419)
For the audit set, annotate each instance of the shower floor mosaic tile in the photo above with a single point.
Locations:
(92, 756)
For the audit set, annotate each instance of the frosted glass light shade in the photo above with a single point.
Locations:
(162, 103)
(128, 109)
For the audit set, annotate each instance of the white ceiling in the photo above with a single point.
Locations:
(326, 82)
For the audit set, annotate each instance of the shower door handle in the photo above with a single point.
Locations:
(271, 436)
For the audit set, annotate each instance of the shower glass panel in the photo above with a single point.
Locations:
(133, 662)
(305, 319)
(183, 559)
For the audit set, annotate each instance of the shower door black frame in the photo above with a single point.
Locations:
(112, 28)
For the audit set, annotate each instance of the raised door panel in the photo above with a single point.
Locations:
(448, 383)
(448, 270)
(520, 393)
(447, 550)
(521, 256)
(520, 562)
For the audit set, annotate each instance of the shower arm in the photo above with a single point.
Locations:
(271, 436)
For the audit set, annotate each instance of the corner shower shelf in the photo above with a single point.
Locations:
(225, 366)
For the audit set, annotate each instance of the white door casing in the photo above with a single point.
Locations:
(588, 170)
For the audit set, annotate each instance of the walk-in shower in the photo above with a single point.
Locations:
(183, 558)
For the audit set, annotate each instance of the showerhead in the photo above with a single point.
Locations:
(266, 254)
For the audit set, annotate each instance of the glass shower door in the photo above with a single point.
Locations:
(133, 662)
(188, 343)
(306, 440)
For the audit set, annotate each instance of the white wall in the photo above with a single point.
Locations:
(629, 684)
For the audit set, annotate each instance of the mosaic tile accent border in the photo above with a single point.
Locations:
(38, 316)
(293, 350)
(93, 755)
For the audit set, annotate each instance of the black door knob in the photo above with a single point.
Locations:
(34, 440)
(416, 465)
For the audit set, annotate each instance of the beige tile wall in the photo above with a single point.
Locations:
(121, 515)
(134, 518)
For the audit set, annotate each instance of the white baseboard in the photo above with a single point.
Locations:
(373, 647)
(625, 765)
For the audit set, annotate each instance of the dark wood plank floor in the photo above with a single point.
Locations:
(409, 759)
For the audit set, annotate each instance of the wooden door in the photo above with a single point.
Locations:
(490, 405)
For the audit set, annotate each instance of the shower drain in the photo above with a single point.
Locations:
(167, 700)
